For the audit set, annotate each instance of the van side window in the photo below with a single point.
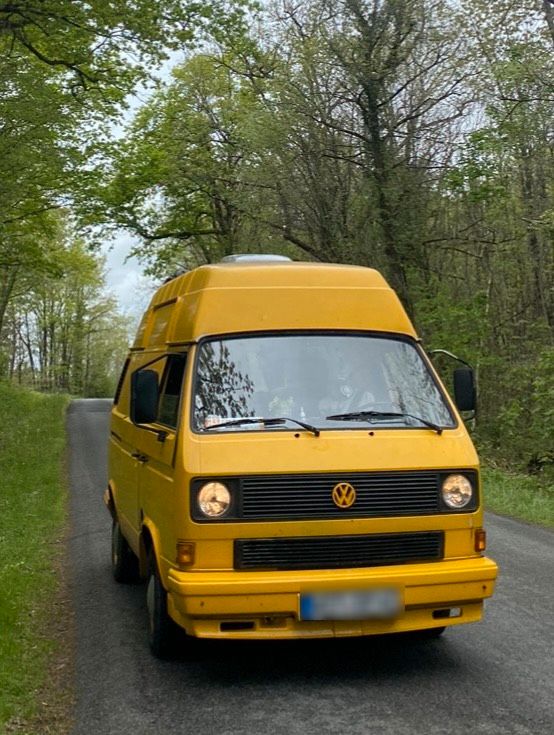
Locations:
(168, 408)
(120, 381)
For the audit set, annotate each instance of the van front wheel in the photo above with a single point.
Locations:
(124, 563)
(161, 628)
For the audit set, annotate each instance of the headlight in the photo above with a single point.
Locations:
(457, 491)
(214, 499)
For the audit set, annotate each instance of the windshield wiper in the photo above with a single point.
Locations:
(368, 415)
(273, 421)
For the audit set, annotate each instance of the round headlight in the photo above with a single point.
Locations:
(214, 499)
(457, 491)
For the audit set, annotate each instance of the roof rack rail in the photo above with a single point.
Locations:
(255, 258)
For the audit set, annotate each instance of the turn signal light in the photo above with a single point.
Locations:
(480, 539)
(185, 553)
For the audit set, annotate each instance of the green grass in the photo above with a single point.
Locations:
(32, 516)
(520, 496)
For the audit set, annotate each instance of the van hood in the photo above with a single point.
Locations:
(276, 452)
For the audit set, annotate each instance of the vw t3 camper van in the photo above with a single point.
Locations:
(284, 462)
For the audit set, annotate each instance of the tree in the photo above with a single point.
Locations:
(63, 332)
(178, 180)
(66, 67)
(38, 150)
(105, 45)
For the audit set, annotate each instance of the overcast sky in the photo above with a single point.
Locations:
(125, 278)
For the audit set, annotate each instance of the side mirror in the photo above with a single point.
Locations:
(144, 396)
(464, 389)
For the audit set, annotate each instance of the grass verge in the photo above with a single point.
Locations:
(32, 513)
(520, 496)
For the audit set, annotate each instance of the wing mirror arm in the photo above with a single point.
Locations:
(465, 392)
(452, 356)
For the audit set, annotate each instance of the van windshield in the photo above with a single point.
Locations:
(312, 377)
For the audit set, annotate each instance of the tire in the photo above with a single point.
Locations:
(162, 631)
(125, 567)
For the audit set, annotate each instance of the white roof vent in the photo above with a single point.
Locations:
(255, 258)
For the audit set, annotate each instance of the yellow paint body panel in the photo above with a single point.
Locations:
(200, 600)
(233, 297)
(245, 298)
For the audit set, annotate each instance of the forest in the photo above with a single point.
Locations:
(416, 138)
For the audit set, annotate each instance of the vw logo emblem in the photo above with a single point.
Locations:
(344, 495)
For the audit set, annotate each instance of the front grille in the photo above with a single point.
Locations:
(338, 552)
(306, 496)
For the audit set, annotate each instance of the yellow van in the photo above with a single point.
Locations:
(284, 461)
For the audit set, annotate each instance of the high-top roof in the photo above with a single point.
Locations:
(247, 296)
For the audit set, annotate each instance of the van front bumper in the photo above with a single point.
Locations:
(238, 604)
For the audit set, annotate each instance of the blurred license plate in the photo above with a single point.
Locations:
(379, 604)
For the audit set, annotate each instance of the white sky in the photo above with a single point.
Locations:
(125, 278)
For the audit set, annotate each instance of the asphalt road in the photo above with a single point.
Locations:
(493, 677)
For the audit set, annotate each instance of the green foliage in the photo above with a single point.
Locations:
(32, 504)
(478, 174)
(178, 176)
(38, 149)
(519, 495)
(107, 45)
(62, 331)
(524, 424)
(261, 140)
(543, 403)
(66, 68)
(454, 318)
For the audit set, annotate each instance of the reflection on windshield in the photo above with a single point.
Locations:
(309, 377)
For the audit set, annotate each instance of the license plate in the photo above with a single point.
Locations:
(378, 604)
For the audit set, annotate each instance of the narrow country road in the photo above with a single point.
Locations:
(490, 678)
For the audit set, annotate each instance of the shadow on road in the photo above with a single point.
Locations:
(370, 659)
(340, 660)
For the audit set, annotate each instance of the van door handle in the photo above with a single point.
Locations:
(139, 457)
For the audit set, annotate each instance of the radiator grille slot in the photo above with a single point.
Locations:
(305, 496)
(338, 552)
